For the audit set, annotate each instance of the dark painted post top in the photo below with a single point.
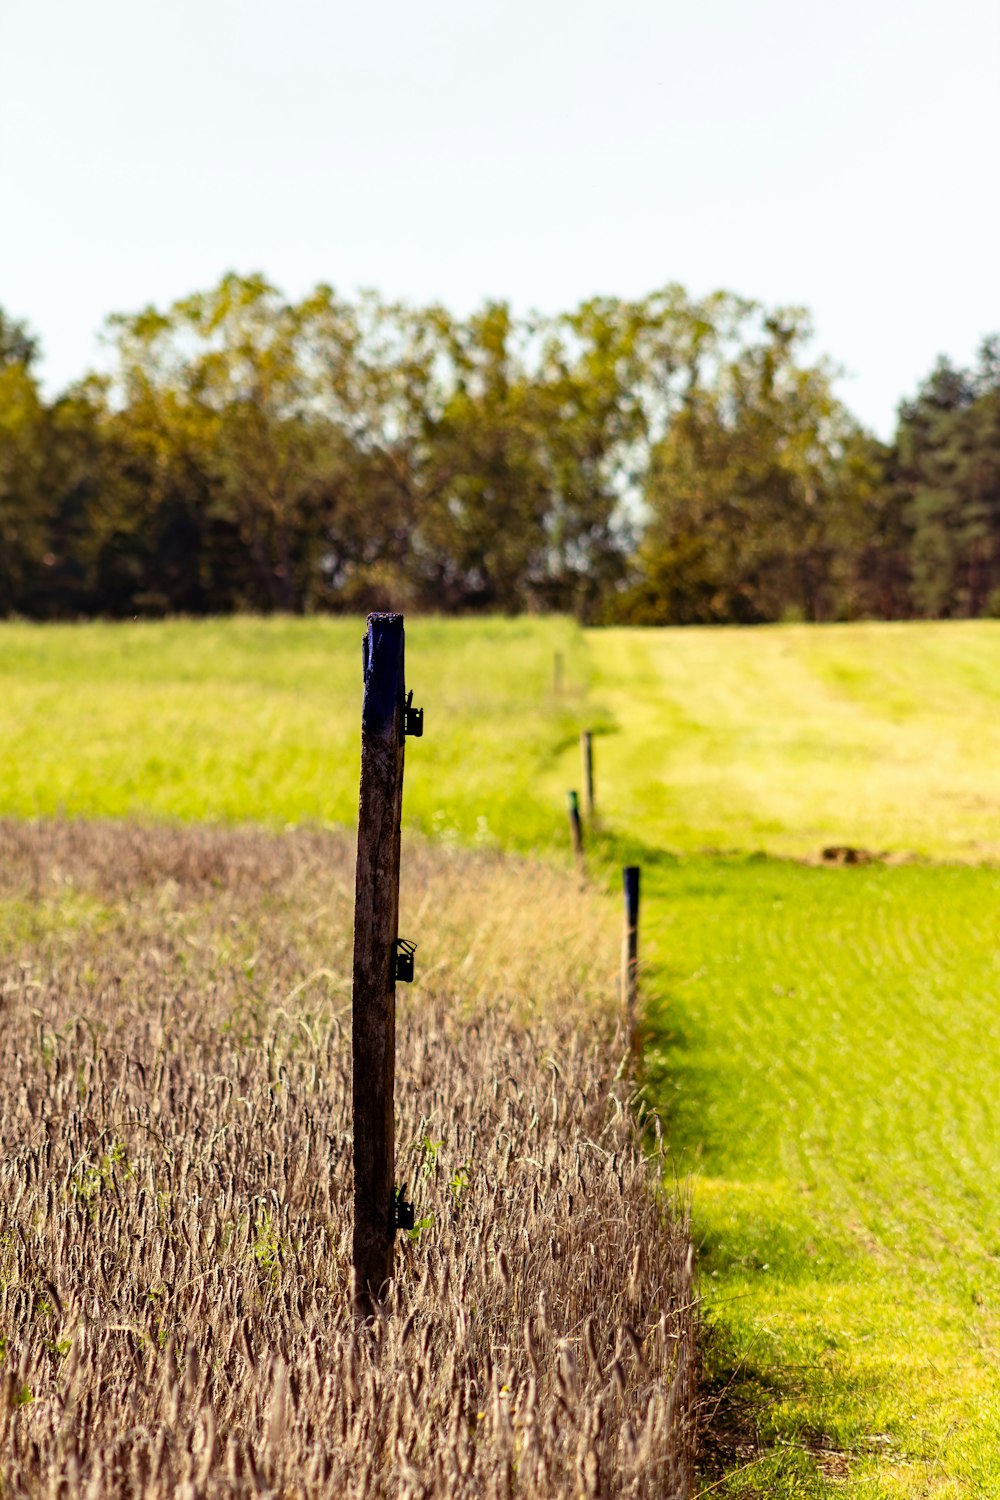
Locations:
(384, 695)
(630, 881)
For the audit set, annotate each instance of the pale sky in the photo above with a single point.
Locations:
(845, 157)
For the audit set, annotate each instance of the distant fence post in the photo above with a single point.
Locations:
(630, 949)
(575, 826)
(587, 755)
(376, 921)
(557, 674)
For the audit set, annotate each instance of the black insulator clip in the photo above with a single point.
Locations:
(403, 970)
(413, 718)
(402, 1210)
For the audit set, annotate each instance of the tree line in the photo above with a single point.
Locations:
(662, 460)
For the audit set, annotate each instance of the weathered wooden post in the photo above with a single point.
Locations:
(575, 826)
(587, 755)
(376, 920)
(630, 949)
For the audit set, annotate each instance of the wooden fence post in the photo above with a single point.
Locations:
(630, 949)
(575, 826)
(376, 922)
(587, 754)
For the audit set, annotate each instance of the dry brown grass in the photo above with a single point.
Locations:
(175, 1185)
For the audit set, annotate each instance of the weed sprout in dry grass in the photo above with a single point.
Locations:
(176, 1186)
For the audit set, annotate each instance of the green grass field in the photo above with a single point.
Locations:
(252, 720)
(824, 1042)
(790, 738)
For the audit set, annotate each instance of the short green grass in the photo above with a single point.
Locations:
(248, 719)
(791, 738)
(824, 1042)
(825, 1046)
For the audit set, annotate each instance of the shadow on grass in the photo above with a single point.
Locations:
(748, 1234)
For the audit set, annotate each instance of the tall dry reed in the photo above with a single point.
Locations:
(175, 1186)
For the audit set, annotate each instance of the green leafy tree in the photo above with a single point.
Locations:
(24, 518)
(215, 394)
(659, 459)
(755, 489)
(480, 536)
(948, 466)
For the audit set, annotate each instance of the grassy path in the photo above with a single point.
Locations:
(825, 1046)
(826, 1042)
(790, 738)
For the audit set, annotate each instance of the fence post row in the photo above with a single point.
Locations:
(376, 922)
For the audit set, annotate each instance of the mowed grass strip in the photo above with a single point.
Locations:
(824, 1042)
(791, 738)
(825, 1046)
